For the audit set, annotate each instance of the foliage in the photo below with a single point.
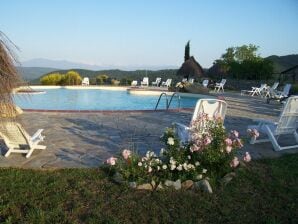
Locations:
(70, 78)
(210, 153)
(187, 51)
(115, 82)
(244, 63)
(102, 79)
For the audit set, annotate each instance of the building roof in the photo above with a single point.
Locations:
(289, 70)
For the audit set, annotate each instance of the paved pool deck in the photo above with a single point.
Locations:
(87, 139)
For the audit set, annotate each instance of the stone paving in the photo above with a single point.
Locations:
(88, 139)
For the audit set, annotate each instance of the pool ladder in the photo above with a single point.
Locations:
(168, 103)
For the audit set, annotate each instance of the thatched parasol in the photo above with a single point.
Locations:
(191, 69)
(9, 78)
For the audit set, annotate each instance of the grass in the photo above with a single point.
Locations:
(264, 192)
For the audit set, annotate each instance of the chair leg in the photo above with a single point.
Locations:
(272, 138)
(296, 136)
(8, 152)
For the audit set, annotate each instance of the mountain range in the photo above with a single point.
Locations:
(35, 68)
(63, 64)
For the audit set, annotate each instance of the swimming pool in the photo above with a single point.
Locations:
(95, 99)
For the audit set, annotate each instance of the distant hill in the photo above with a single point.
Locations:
(63, 64)
(282, 63)
(31, 73)
(120, 74)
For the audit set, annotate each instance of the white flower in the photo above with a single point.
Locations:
(200, 176)
(173, 166)
(149, 169)
(152, 154)
(197, 163)
(161, 152)
(204, 171)
(157, 160)
(170, 141)
(190, 166)
(179, 167)
(164, 166)
(140, 164)
(185, 166)
(189, 157)
(158, 167)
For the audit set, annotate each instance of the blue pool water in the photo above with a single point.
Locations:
(95, 99)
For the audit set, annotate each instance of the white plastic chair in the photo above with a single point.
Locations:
(287, 124)
(191, 80)
(258, 90)
(167, 83)
(18, 140)
(134, 83)
(205, 83)
(220, 86)
(145, 81)
(85, 81)
(212, 107)
(157, 81)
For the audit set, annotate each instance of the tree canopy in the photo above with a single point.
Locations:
(245, 63)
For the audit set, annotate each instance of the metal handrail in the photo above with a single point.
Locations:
(174, 94)
(160, 98)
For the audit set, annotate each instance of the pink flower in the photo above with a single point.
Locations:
(238, 142)
(235, 162)
(195, 148)
(247, 157)
(207, 141)
(253, 132)
(111, 161)
(228, 149)
(228, 141)
(235, 133)
(126, 154)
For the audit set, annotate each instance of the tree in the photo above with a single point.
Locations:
(187, 51)
(51, 79)
(244, 63)
(71, 78)
(9, 78)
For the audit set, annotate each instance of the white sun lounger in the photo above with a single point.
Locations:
(157, 81)
(134, 83)
(220, 86)
(280, 95)
(271, 90)
(287, 124)
(212, 107)
(167, 83)
(18, 140)
(255, 90)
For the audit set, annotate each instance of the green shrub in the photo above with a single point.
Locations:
(51, 79)
(71, 78)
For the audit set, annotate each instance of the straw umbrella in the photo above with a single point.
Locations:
(191, 68)
(9, 78)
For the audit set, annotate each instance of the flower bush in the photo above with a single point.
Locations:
(210, 153)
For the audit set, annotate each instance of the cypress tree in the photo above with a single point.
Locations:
(187, 50)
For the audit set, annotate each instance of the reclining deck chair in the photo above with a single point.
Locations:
(18, 140)
(287, 124)
(157, 82)
(255, 90)
(167, 83)
(280, 95)
(219, 86)
(271, 89)
(212, 107)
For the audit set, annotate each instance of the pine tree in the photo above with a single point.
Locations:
(187, 50)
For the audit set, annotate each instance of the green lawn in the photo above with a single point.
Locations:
(265, 192)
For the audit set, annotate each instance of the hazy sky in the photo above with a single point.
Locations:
(147, 32)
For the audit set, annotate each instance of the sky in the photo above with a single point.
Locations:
(147, 32)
